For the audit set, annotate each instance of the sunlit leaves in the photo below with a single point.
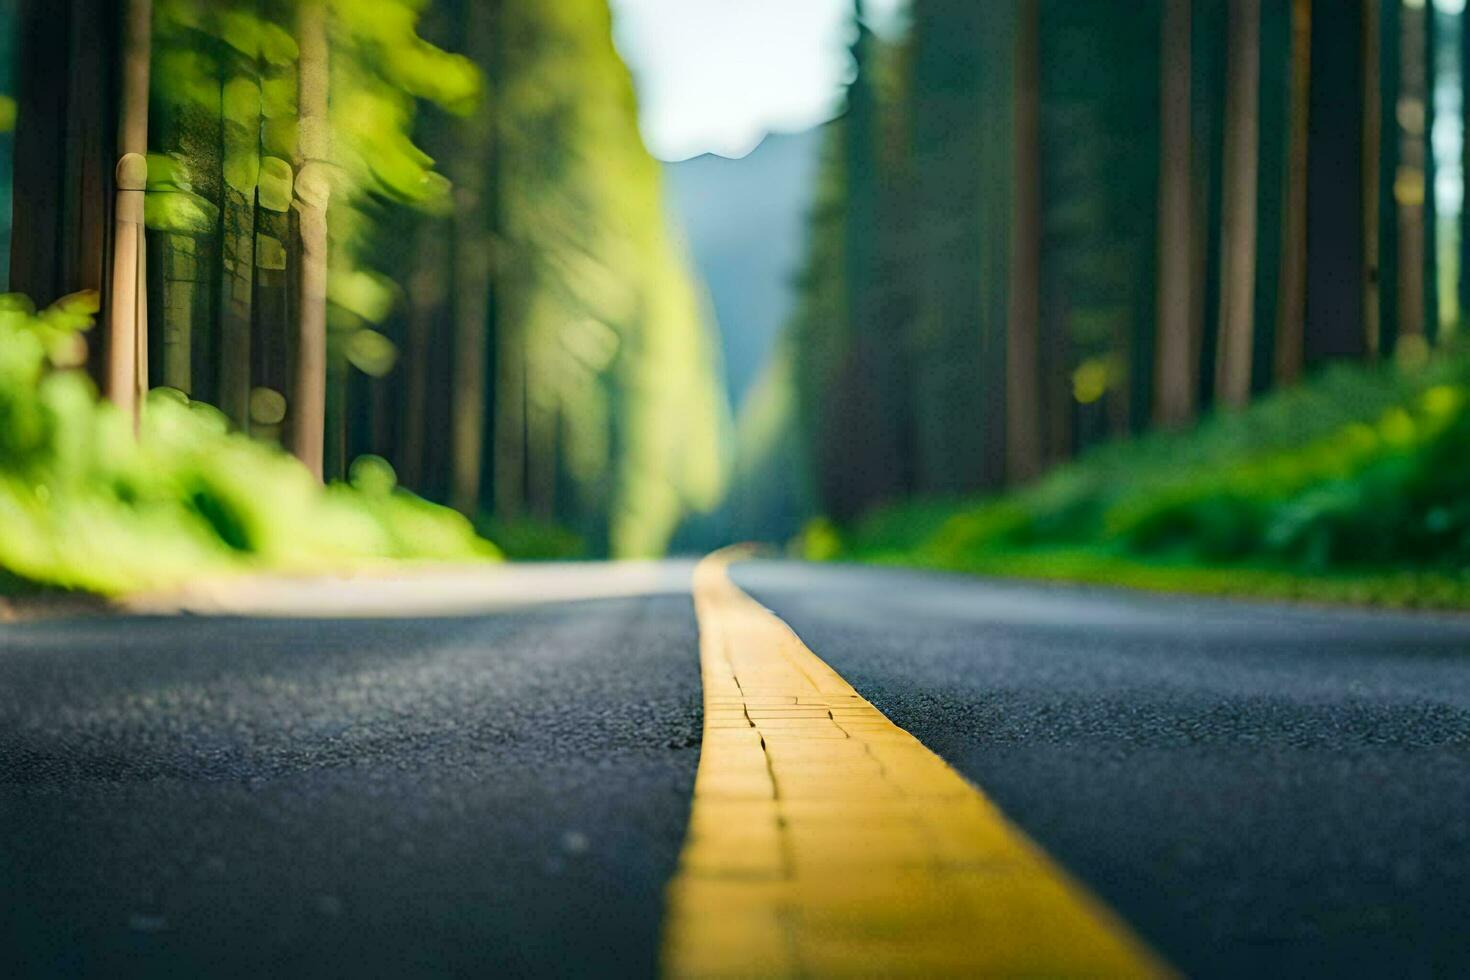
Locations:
(367, 295)
(372, 475)
(7, 113)
(180, 212)
(267, 406)
(187, 77)
(241, 133)
(255, 37)
(385, 34)
(371, 353)
(234, 62)
(167, 172)
(274, 189)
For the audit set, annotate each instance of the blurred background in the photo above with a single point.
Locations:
(1077, 287)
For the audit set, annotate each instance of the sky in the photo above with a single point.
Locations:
(715, 76)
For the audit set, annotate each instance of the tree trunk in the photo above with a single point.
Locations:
(273, 326)
(1342, 185)
(1410, 187)
(1290, 323)
(1176, 361)
(473, 245)
(471, 322)
(313, 188)
(426, 301)
(65, 152)
(127, 318)
(240, 135)
(1242, 120)
(1429, 240)
(511, 423)
(1023, 396)
(1462, 284)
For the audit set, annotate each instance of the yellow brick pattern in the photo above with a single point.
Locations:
(826, 841)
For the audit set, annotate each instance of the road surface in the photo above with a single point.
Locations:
(440, 788)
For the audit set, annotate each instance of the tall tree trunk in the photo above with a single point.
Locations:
(128, 303)
(511, 423)
(473, 245)
(1381, 148)
(313, 189)
(1342, 211)
(184, 248)
(65, 151)
(335, 421)
(240, 134)
(273, 326)
(1462, 284)
(1410, 184)
(1429, 273)
(471, 323)
(1023, 396)
(1292, 310)
(1176, 362)
(1242, 121)
(425, 303)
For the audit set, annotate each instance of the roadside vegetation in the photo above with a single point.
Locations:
(84, 506)
(1352, 487)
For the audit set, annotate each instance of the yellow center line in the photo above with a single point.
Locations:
(825, 840)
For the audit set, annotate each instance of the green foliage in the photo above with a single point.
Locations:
(85, 505)
(1358, 476)
(596, 310)
(224, 85)
(527, 539)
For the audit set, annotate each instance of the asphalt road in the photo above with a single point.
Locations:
(494, 796)
(1258, 791)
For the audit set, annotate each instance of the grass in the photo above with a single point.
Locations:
(1353, 487)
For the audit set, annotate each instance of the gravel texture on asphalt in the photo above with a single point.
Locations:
(492, 796)
(1260, 790)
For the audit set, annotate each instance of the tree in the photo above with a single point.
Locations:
(313, 190)
(474, 222)
(1023, 438)
(1238, 271)
(240, 111)
(1176, 364)
(1344, 289)
(65, 153)
(1293, 307)
(947, 123)
(127, 346)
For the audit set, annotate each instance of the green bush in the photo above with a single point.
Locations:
(1359, 470)
(85, 505)
(528, 539)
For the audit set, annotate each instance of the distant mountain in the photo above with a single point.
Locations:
(745, 223)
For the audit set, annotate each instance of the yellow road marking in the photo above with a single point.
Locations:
(825, 840)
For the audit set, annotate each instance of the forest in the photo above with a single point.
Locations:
(1082, 294)
(1128, 297)
(416, 245)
